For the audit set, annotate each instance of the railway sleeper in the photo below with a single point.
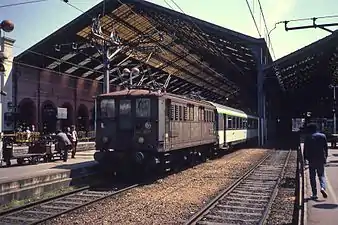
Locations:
(230, 219)
(229, 213)
(248, 196)
(247, 200)
(244, 204)
(20, 218)
(68, 202)
(239, 208)
(39, 212)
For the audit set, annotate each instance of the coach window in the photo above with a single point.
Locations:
(250, 123)
(229, 122)
(143, 107)
(180, 113)
(191, 112)
(172, 112)
(196, 113)
(107, 108)
(239, 123)
(176, 112)
(245, 123)
(185, 113)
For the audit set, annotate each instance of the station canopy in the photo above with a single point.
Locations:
(200, 57)
(306, 77)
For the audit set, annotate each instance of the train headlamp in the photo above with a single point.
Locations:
(105, 139)
(147, 125)
(141, 140)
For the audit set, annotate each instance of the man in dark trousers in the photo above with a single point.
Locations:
(64, 144)
(316, 151)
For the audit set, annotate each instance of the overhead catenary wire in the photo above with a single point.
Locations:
(22, 3)
(253, 18)
(73, 6)
(266, 28)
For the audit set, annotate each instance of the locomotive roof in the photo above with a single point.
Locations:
(133, 92)
(145, 92)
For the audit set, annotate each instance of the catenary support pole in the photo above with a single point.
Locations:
(334, 110)
(106, 82)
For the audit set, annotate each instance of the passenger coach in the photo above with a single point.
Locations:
(235, 126)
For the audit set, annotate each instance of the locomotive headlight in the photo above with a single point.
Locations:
(147, 125)
(105, 139)
(141, 140)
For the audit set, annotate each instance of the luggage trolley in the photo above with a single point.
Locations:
(39, 150)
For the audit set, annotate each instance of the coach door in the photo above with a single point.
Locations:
(225, 119)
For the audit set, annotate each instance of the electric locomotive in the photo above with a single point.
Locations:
(152, 128)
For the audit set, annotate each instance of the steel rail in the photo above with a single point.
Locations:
(58, 210)
(197, 217)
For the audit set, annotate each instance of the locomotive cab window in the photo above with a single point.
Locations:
(125, 122)
(143, 107)
(125, 107)
(107, 108)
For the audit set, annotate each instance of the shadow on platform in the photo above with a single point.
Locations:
(73, 165)
(325, 206)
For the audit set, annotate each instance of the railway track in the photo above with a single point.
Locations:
(249, 199)
(44, 210)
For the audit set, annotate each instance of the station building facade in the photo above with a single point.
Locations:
(37, 95)
(33, 96)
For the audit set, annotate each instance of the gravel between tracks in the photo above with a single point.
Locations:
(170, 200)
(283, 207)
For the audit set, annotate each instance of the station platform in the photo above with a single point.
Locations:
(21, 150)
(323, 211)
(21, 182)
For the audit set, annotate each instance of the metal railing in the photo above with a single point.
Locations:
(86, 135)
(24, 137)
(300, 189)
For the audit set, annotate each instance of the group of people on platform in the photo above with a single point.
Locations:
(66, 141)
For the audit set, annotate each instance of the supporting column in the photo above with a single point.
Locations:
(7, 82)
(261, 61)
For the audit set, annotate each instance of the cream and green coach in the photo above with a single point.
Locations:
(234, 126)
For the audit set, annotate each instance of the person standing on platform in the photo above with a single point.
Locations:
(64, 144)
(74, 141)
(315, 152)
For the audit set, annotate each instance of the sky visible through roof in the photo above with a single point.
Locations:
(34, 22)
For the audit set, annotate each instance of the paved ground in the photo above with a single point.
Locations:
(83, 159)
(324, 211)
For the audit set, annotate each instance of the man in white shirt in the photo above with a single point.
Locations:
(74, 141)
